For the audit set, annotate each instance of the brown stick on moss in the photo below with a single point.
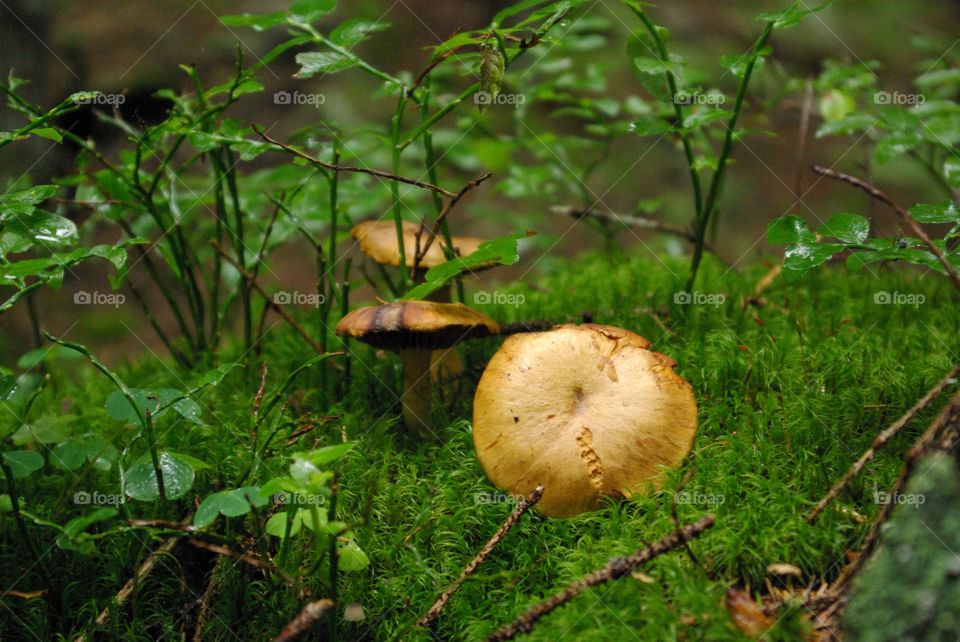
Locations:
(470, 568)
(881, 440)
(615, 569)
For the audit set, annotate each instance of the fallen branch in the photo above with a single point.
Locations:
(246, 558)
(943, 429)
(904, 215)
(469, 569)
(124, 593)
(615, 569)
(346, 168)
(307, 618)
(881, 440)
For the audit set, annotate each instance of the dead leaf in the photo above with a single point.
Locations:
(747, 614)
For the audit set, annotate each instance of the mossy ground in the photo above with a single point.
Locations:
(790, 391)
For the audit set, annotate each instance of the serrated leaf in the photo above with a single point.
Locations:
(311, 10)
(703, 117)
(502, 251)
(328, 62)
(655, 66)
(849, 228)
(944, 212)
(354, 31)
(257, 22)
(787, 229)
(791, 16)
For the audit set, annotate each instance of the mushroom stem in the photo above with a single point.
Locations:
(417, 396)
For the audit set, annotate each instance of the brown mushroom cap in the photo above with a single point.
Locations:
(419, 325)
(378, 240)
(588, 411)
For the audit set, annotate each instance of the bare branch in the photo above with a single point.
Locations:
(522, 507)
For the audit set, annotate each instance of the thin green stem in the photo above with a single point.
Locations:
(703, 219)
(677, 108)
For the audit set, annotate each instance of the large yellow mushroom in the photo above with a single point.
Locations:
(588, 411)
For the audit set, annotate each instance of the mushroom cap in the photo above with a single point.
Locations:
(416, 325)
(378, 240)
(588, 411)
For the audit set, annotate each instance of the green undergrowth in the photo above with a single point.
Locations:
(792, 385)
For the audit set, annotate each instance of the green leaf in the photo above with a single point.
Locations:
(944, 212)
(257, 22)
(849, 228)
(277, 525)
(22, 462)
(328, 62)
(787, 229)
(74, 453)
(158, 401)
(801, 257)
(44, 227)
(351, 558)
(836, 105)
(329, 454)
(852, 124)
(703, 117)
(792, 16)
(655, 66)
(311, 10)
(141, 479)
(49, 133)
(895, 144)
(354, 31)
(230, 503)
(74, 536)
(502, 250)
(951, 171)
(650, 126)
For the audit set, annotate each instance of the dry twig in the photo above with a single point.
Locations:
(615, 568)
(345, 168)
(469, 569)
(881, 440)
(307, 618)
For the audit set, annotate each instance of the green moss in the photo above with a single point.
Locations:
(790, 389)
